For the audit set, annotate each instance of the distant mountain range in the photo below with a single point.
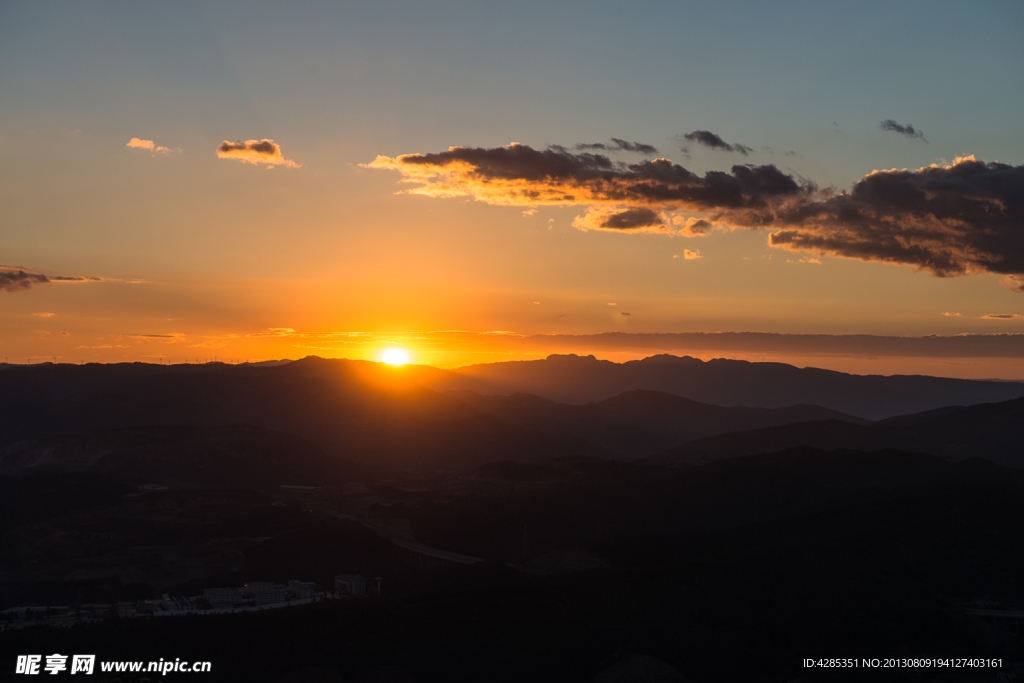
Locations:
(337, 417)
(354, 411)
(640, 423)
(723, 382)
(992, 431)
(205, 457)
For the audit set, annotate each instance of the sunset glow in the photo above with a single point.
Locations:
(480, 341)
(477, 218)
(395, 357)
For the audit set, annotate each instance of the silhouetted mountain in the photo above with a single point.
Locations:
(990, 430)
(639, 423)
(208, 457)
(590, 499)
(355, 410)
(723, 382)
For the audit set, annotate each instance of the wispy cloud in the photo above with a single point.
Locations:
(706, 138)
(263, 151)
(616, 145)
(149, 145)
(19, 280)
(907, 130)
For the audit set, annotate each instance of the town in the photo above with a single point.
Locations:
(253, 596)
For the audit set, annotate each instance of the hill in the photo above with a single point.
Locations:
(639, 423)
(724, 382)
(352, 410)
(238, 456)
(990, 431)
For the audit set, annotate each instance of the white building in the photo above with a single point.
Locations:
(352, 584)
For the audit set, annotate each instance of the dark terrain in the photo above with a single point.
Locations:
(757, 536)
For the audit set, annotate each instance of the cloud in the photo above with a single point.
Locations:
(966, 217)
(254, 152)
(694, 227)
(518, 175)
(955, 219)
(907, 130)
(43, 315)
(19, 280)
(691, 255)
(950, 314)
(708, 139)
(1003, 316)
(630, 219)
(617, 145)
(623, 313)
(137, 143)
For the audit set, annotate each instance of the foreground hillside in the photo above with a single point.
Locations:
(722, 572)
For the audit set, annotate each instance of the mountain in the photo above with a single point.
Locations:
(238, 456)
(991, 431)
(639, 423)
(723, 382)
(353, 410)
(398, 417)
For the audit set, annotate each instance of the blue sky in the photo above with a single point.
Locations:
(225, 248)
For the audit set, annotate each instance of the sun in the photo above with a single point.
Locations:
(395, 356)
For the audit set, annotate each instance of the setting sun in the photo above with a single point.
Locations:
(395, 357)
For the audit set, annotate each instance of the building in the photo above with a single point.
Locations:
(353, 584)
(302, 590)
(223, 597)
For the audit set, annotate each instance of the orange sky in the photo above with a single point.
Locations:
(194, 182)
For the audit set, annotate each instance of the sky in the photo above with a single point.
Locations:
(822, 184)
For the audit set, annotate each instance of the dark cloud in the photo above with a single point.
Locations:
(18, 280)
(631, 219)
(965, 217)
(1002, 316)
(950, 220)
(618, 145)
(695, 227)
(907, 130)
(712, 141)
(520, 175)
(254, 152)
